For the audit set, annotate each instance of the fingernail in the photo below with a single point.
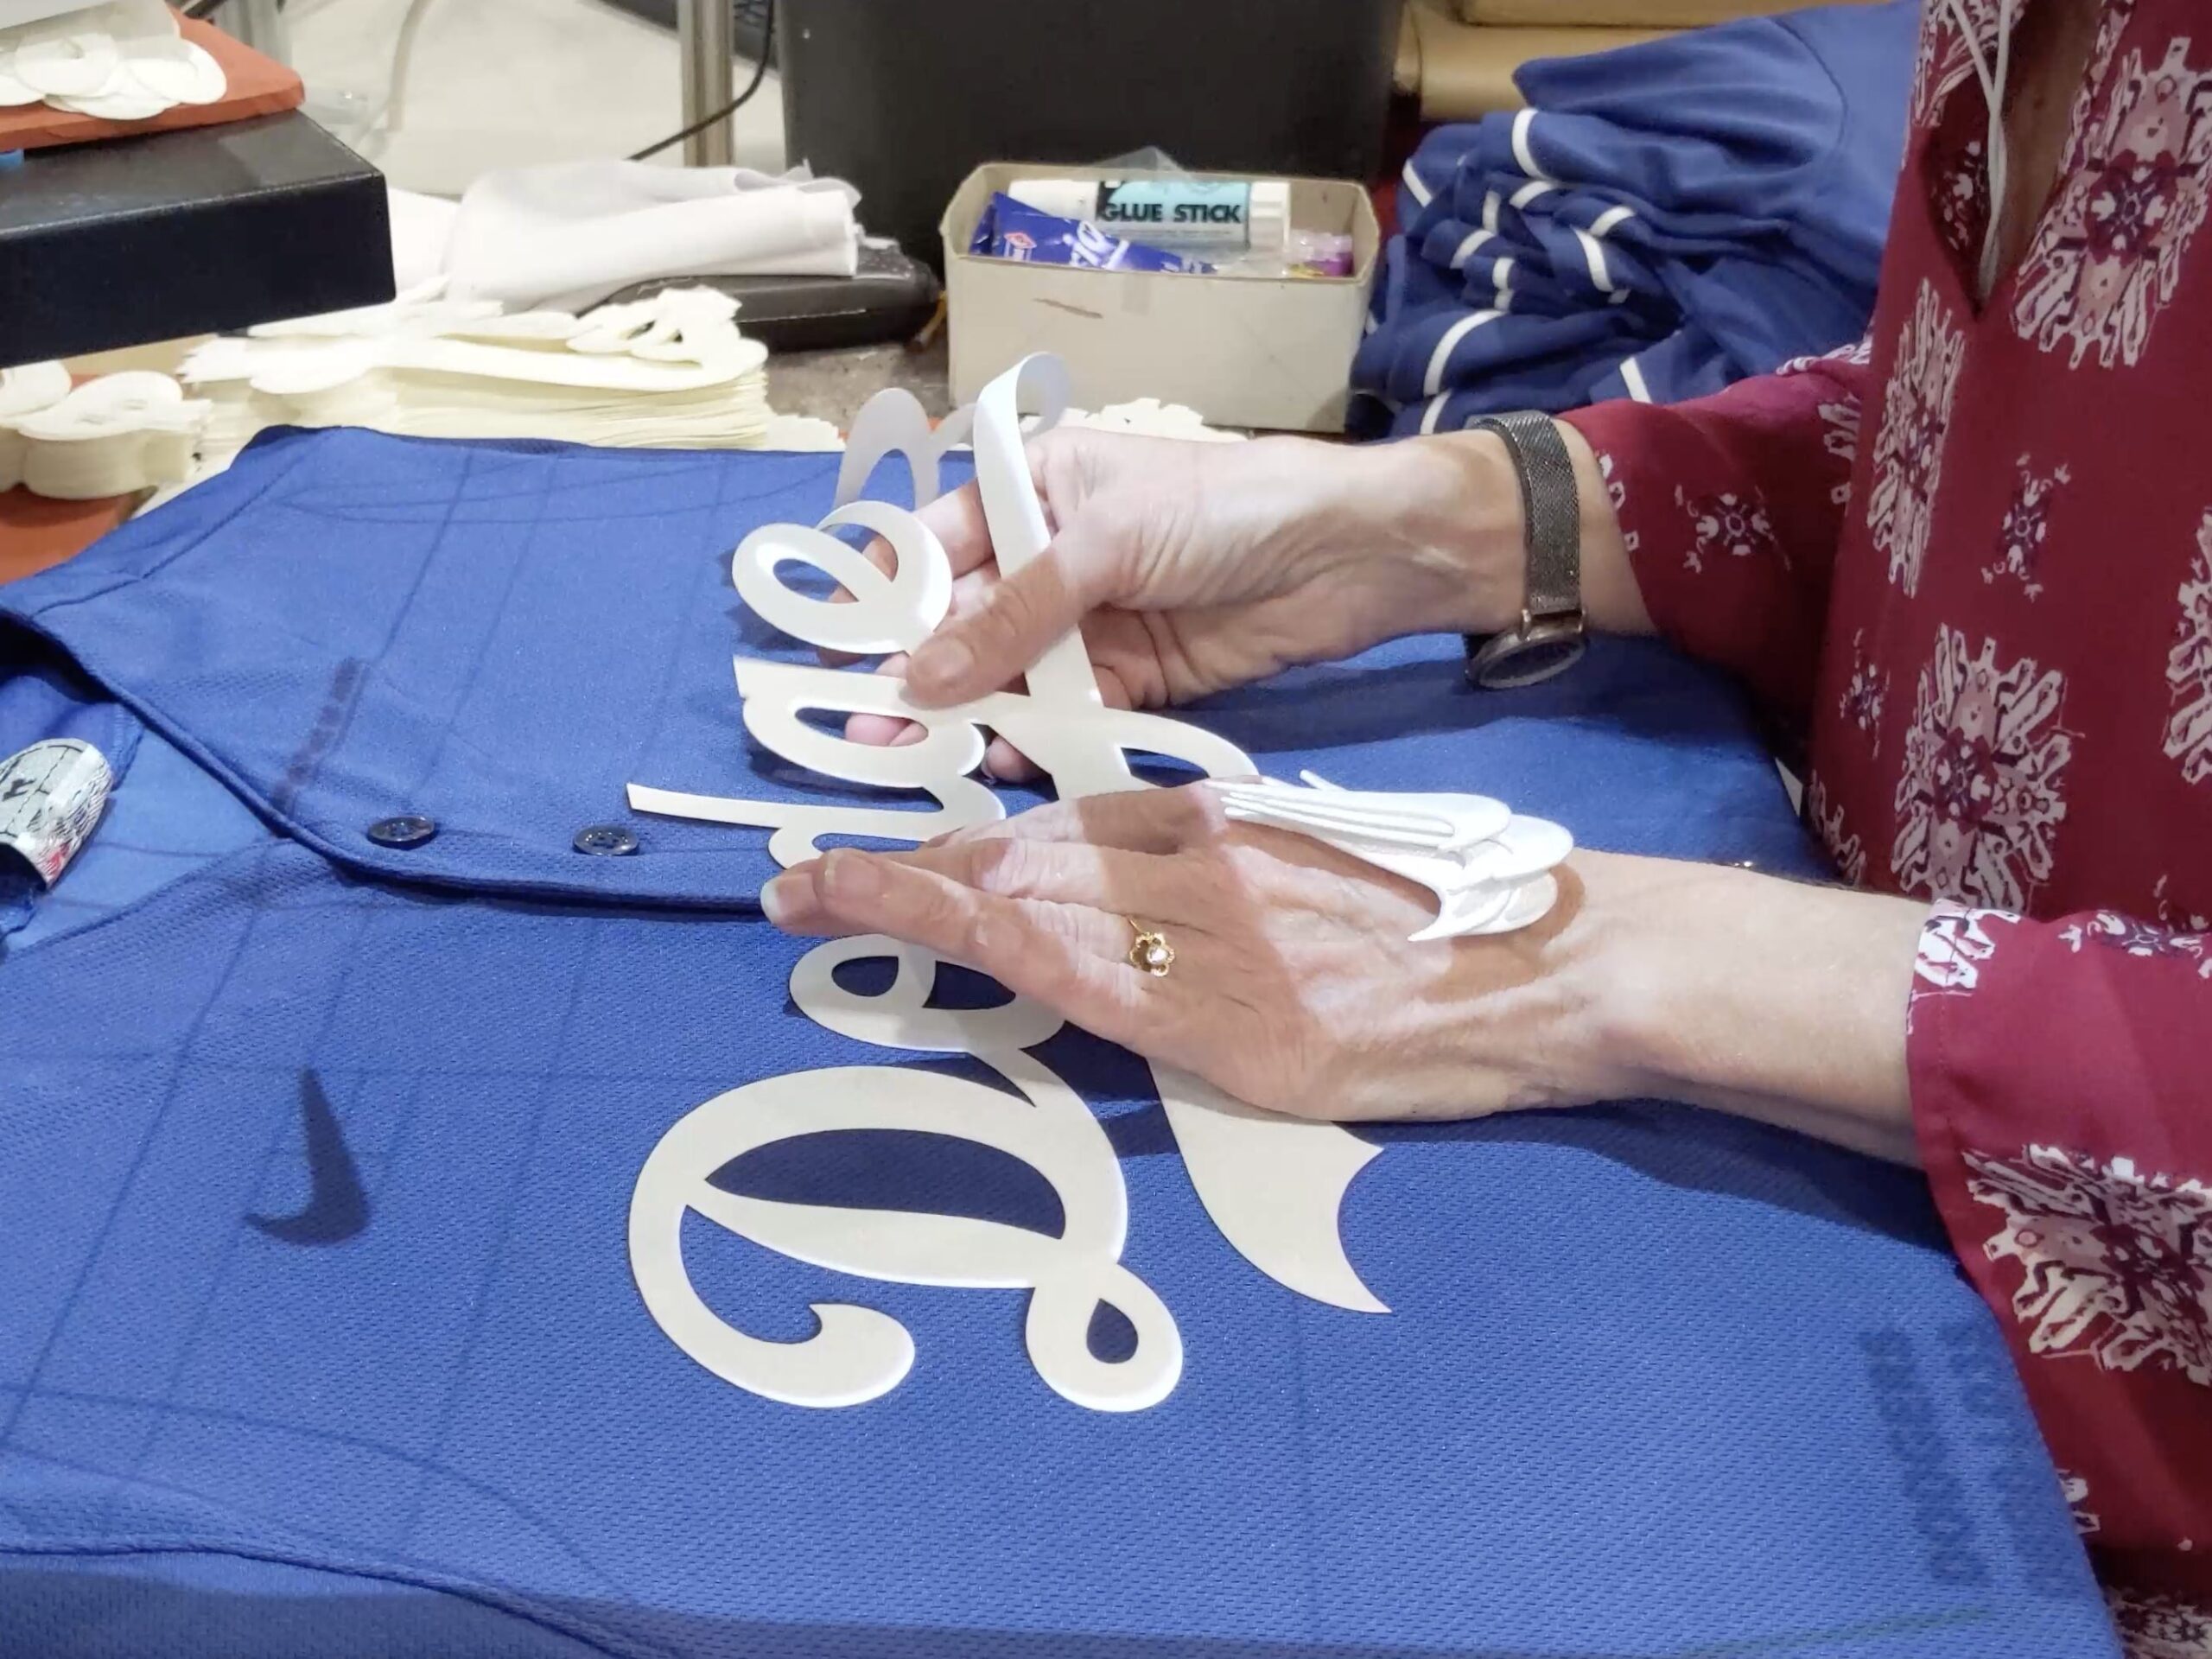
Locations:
(780, 899)
(939, 663)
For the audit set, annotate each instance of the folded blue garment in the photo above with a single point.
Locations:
(1663, 219)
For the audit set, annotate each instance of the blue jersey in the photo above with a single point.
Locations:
(1661, 221)
(329, 1069)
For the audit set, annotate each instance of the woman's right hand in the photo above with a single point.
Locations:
(1192, 567)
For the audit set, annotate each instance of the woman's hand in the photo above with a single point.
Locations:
(1194, 566)
(1295, 987)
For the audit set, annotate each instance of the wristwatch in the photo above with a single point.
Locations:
(1549, 638)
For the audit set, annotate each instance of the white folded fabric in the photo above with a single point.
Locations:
(422, 229)
(567, 236)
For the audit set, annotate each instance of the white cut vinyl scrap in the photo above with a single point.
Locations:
(34, 386)
(672, 371)
(119, 61)
(179, 70)
(323, 366)
(23, 392)
(127, 105)
(58, 63)
(1273, 1186)
(14, 94)
(115, 435)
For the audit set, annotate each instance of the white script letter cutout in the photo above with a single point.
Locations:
(1274, 1186)
(859, 1354)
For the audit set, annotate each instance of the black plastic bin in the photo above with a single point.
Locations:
(905, 97)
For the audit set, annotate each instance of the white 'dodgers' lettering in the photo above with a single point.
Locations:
(1274, 1186)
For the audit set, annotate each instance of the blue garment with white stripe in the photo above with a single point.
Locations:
(1664, 219)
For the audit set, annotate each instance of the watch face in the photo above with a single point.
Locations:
(1513, 659)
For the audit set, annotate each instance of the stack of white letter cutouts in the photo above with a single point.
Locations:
(671, 371)
(115, 435)
(121, 61)
(1489, 867)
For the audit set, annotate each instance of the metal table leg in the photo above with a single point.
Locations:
(703, 34)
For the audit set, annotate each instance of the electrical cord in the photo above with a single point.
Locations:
(759, 74)
(403, 62)
(411, 25)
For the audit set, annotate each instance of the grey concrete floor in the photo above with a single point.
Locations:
(501, 82)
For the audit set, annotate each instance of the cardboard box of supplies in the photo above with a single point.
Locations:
(1243, 351)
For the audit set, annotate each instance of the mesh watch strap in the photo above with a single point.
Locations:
(1552, 512)
(1549, 637)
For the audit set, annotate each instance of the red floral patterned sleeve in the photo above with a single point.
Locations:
(2058, 1085)
(1731, 506)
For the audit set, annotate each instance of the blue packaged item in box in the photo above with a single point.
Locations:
(1013, 230)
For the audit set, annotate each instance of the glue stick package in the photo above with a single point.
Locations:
(1013, 230)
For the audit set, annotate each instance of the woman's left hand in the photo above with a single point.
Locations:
(1293, 987)
(1296, 986)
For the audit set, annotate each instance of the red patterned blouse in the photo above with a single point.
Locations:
(1971, 563)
